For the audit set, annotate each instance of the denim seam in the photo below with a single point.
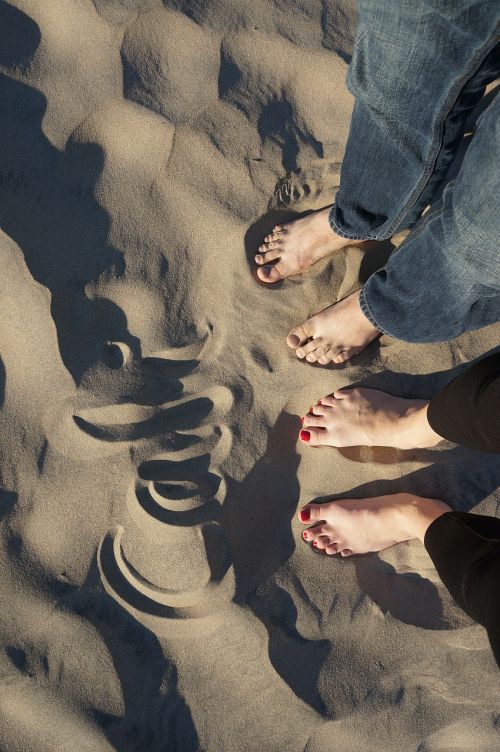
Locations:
(343, 234)
(438, 131)
(363, 300)
(365, 307)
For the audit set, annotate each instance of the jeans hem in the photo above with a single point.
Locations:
(336, 229)
(367, 311)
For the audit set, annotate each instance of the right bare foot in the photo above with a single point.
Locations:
(368, 417)
(298, 245)
(360, 526)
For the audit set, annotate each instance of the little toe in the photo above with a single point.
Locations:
(346, 552)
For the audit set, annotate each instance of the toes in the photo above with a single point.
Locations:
(343, 393)
(306, 349)
(310, 513)
(341, 357)
(332, 549)
(324, 360)
(299, 336)
(269, 245)
(312, 532)
(313, 436)
(265, 258)
(346, 552)
(314, 420)
(318, 409)
(270, 274)
(329, 400)
(321, 542)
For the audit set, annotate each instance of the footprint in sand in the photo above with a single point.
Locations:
(315, 184)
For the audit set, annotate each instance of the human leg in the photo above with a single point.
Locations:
(417, 71)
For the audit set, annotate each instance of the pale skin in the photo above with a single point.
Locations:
(341, 330)
(368, 417)
(348, 417)
(361, 526)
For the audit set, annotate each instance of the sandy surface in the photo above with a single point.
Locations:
(155, 591)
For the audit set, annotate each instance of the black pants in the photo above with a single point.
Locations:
(465, 548)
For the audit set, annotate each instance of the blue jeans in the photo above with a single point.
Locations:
(418, 69)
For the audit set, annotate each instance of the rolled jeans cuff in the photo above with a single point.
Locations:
(367, 310)
(337, 229)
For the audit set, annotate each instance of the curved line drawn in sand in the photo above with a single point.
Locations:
(122, 580)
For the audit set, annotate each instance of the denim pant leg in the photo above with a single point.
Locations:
(445, 278)
(413, 61)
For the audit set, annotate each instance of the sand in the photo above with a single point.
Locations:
(155, 591)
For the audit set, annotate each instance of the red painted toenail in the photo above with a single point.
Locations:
(314, 543)
(305, 435)
(305, 535)
(305, 515)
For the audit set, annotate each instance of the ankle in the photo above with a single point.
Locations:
(413, 428)
(419, 513)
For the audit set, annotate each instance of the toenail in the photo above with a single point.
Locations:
(305, 515)
(305, 435)
(314, 544)
(294, 340)
(304, 534)
(266, 271)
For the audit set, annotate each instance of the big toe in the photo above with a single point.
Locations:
(269, 274)
(297, 337)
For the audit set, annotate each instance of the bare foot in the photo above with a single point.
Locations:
(298, 245)
(368, 417)
(335, 334)
(359, 526)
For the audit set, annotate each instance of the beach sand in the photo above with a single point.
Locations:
(155, 591)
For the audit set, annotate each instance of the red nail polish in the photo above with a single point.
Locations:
(314, 544)
(305, 535)
(305, 515)
(305, 435)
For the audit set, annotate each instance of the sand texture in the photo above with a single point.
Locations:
(155, 594)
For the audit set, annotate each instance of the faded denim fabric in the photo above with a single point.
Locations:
(418, 70)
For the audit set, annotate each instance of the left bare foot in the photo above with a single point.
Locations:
(368, 417)
(335, 334)
(298, 245)
(360, 526)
